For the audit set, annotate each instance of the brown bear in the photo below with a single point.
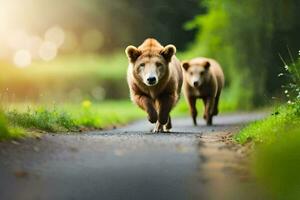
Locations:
(155, 79)
(204, 79)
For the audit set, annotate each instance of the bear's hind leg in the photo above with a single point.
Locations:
(209, 106)
(204, 99)
(216, 110)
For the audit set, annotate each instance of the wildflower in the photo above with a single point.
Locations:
(286, 67)
(286, 91)
(289, 102)
(86, 104)
(281, 74)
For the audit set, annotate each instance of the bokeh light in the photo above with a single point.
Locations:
(22, 58)
(35, 43)
(55, 35)
(47, 51)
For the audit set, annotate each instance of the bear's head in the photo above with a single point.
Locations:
(150, 64)
(196, 73)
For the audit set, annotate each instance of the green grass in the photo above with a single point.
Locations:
(7, 132)
(276, 158)
(276, 166)
(73, 117)
(275, 126)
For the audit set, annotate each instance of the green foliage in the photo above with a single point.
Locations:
(246, 37)
(4, 133)
(67, 78)
(121, 22)
(273, 127)
(42, 119)
(276, 164)
(276, 159)
(7, 132)
(292, 74)
(71, 117)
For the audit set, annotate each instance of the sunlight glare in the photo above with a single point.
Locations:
(17, 39)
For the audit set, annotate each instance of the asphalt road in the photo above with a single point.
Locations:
(126, 163)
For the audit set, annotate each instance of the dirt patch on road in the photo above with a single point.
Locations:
(225, 168)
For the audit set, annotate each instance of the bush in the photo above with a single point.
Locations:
(246, 37)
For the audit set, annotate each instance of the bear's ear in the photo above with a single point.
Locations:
(168, 52)
(185, 65)
(132, 53)
(206, 65)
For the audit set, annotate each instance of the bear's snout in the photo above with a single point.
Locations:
(196, 83)
(151, 80)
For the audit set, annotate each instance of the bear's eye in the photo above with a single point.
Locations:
(158, 64)
(202, 73)
(142, 65)
(191, 73)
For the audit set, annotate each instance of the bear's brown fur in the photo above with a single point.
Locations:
(203, 78)
(155, 79)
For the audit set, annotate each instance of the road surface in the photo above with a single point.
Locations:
(129, 163)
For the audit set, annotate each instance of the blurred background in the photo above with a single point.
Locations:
(73, 50)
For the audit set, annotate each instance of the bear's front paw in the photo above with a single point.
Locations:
(158, 128)
(152, 116)
(166, 129)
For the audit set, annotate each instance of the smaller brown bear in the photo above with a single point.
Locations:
(154, 78)
(203, 78)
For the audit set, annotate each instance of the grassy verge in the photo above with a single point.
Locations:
(83, 116)
(7, 132)
(272, 128)
(71, 117)
(276, 159)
